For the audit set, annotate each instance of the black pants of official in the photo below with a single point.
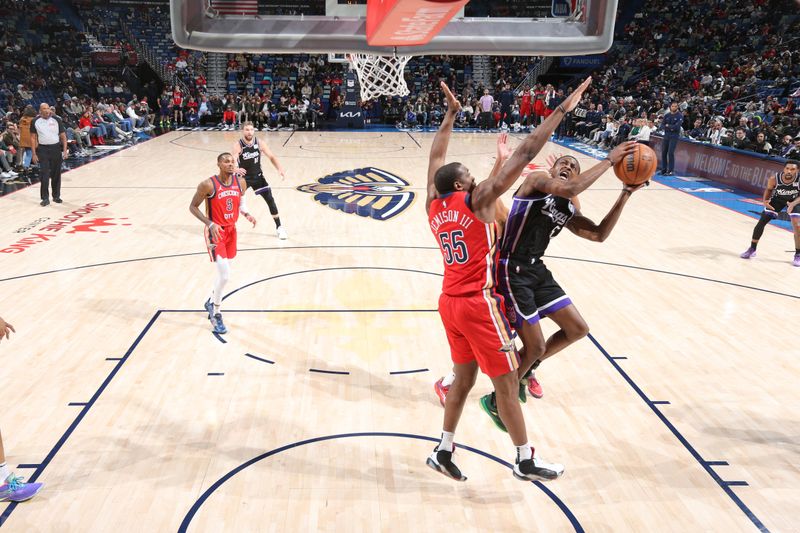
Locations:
(50, 169)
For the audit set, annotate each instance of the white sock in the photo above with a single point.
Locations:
(4, 472)
(223, 274)
(524, 452)
(449, 379)
(446, 443)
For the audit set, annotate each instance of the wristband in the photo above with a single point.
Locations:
(606, 158)
(210, 224)
(561, 107)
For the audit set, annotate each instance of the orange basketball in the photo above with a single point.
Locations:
(638, 166)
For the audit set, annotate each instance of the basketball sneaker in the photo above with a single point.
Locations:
(441, 390)
(14, 490)
(796, 261)
(282, 235)
(534, 387)
(219, 325)
(749, 253)
(489, 405)
(537, 469)
(209, 307)
(442, 462)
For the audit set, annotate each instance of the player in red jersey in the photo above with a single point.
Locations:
(224, 198)
(177, 106)
(461, 215)
(525, 106)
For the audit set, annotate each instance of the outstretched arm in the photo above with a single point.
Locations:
(272, 159)
(587, 229)
(543, 182)
(488, 191)
(440, 142)
(500, 209)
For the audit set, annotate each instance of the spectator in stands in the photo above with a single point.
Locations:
(421, 111)
(315, 113)
(794, 153)
(698, 133)
(12, 140)
(410, 118)
(25, 140)
(192, 119)
(739, 140)
(7, 156)
(229, 119)
(785, 146)
(671, 125)
(761, 145)
(96, 133)
(506, 99)
(486, 104)
(203, 110)
(717, 134)
(645, 129)
(139, 122)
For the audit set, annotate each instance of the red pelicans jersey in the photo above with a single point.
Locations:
(467, 245)
(222, 208)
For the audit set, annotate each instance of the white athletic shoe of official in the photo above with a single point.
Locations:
(282, 235)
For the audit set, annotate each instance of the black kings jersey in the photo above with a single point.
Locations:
(532, 222)
(784, 192)
(250, 158)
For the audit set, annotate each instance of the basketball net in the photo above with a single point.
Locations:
(380, 75)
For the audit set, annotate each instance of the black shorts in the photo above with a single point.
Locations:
(256, 182)
(779, 206)
(530, 291)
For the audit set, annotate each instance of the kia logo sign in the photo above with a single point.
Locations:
(350, 114)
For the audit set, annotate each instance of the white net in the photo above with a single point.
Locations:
(380, 75)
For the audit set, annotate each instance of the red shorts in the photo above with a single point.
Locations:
(477, 330)
(225, 247)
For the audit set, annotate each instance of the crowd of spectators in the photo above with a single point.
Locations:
(733, 68)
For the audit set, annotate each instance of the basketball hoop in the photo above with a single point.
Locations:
(380, 75)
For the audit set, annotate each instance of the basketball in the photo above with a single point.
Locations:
(638, 166)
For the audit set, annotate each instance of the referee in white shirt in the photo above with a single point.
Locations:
(49, 140)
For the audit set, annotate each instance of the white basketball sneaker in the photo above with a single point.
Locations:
(282, 235)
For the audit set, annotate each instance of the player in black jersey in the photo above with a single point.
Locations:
(783, 191)
(540, 209)
(247, 152)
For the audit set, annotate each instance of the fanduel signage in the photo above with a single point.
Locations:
(582, 61)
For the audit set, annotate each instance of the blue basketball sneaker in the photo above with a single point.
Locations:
(219, 326)
(14, 490)
(209, 307)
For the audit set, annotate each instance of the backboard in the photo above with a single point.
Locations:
(491, 27)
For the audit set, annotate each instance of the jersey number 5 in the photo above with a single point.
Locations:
(454, 248)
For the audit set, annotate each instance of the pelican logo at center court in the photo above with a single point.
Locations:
(366, 192)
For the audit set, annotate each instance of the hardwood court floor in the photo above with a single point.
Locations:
(137, 418)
